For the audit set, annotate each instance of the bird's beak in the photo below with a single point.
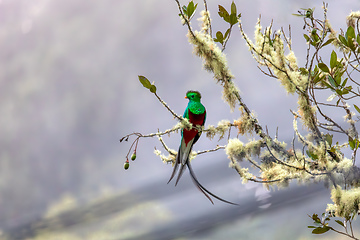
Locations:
(186, 97)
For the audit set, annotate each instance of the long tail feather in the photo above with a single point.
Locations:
(174, 171)
(181, 171)
(203, 189)
(183, 157)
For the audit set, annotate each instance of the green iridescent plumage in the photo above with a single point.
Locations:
(194, 105)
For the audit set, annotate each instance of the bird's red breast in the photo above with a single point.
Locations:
(195, 119)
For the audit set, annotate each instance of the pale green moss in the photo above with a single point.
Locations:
(221, 129)
(205, 21)
(235, 149)
(214, 60)
(243, 172)
(306, 111)
(254, 147)
(245, 123)
(171, 158)
(346, 202)
(211, 131)
(352, 18)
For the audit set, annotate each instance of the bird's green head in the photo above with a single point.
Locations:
(193, 96)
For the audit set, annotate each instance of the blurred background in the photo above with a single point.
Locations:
(69, 91)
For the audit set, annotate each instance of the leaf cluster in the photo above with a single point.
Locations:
(332, 77)
(146, 83)
(189, 10)
(321, 226)
(232, 18)
(306, 13)
(350, 40)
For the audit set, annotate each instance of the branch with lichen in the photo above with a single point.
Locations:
(214, 61)
(272, 161)
(269, 50)
(324, 160)
(222, 128)
(284, 67)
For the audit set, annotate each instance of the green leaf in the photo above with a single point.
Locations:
(315, 218)
(357, 108)
(233, 8)
(337, 102)
(227, 33)
(344, 82)
(332, 149)
(351, 143)
(303, 71)
(354, 143)
(351, 44)
(337, 79)
(327, 85)
(153, 88)
(328, 138)
(340, 223)
(350, 36)
(315, 36)
(316, 70)
(346, 90)
(333, 60)
(233, 19)
(191, 9)
(332, 82)
(343, 40)
(339, 92)
(313, 157)
(350, 33)
(184, 8)
(321, 230)
(323, 67)
(219, 37)
(145, 82)
(307, 38)
(358, 39)
(328, 42)
(224, 14)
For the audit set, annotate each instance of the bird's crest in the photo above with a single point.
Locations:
(196, 92)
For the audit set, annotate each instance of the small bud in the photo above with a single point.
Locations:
(126, 164)
(133, 156)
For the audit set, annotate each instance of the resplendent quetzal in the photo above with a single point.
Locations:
(196, 114)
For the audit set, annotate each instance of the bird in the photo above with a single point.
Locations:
(195, 112)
